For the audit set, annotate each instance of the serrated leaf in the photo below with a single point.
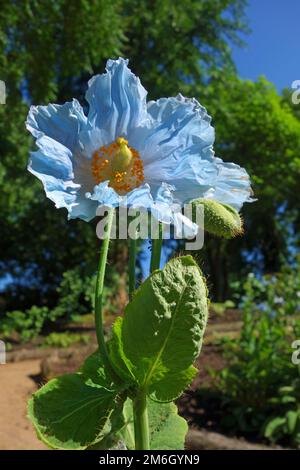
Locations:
(167, 429)
(172, 384)
(121, 435)
(75, 411)
(94, 372)
(161, 333)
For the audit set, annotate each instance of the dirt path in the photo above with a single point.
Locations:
(16, 385)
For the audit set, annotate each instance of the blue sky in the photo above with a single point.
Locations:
(273, 46)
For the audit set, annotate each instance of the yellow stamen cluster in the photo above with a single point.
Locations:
(120, 164)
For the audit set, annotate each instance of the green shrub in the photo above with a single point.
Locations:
(219, 308)
(260, 359)
(26, 324)
(64, 340)
(284, 424)
(76, 297)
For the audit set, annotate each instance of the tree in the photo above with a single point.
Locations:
(258, 130)
(48, 51)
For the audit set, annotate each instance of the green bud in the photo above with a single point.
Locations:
(219, 219)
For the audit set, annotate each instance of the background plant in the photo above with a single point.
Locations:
(75, 297)
(260, 369)
(265, 141)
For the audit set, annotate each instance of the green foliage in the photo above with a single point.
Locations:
(79, 37)
(260, 360)
(219, 219)
(26, 324)
(167, 428)
(89, 409)
(75, 298)
(70, 414)
(75, 295)
(172, 303)
(199, 31)
(220, 308)
(285, 425)
(257, 130)
(64, 340)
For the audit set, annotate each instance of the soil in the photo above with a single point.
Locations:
(18, 381)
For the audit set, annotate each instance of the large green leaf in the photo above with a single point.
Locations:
(121, 435)
(96, 374)
(166, 428)
(161, 333)
(75, 411)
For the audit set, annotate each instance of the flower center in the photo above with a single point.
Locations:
(120, 164)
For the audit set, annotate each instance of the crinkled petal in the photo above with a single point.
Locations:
(62, 192)
(162, 207)
(104, 195)
(59, 122)
(167, 210)
(232, 185)
(53, 159)
(52, 164)
(178, 150)
(117, 100)
(83, 208)
(139, 198)
(184, 227)
(177, 124)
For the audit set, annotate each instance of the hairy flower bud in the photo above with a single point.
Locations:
(219, 219)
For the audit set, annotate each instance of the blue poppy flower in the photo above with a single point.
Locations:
(154, 156)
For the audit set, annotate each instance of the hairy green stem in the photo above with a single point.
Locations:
(141, 425)
(99, 287)
(132, 261)
(140, 411)
(156, 250)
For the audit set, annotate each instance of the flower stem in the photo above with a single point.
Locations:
(156, 250)
(140, 411)
(132, 260)
(141, 425)
(99, 288)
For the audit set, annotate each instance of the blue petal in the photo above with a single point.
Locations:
(62, 192)
(231, 186)
(168, 211)
(117, 100)
(83, 208)
(53, 159)
(60, 122)
(178, 150)
(178, 123)
(184, 227)
(104, 195)
(139, 198)
(52, 164)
